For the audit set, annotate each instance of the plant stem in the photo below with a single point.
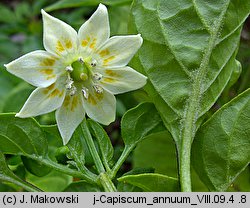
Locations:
(92, 148)
(103, 177)
(121, 160)
(107, 183)
(88, 176)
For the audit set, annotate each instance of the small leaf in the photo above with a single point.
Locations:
(7, 176)
(103, 140)
(139, 122)
(35, 167)
(152, 182)
(30, 139)
(221, 148)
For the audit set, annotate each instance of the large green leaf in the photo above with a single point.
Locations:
(7, 176)
(221, 147)
(188, 55)
(21, 136)
(151, 182)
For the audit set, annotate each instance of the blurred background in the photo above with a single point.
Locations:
(21, 32)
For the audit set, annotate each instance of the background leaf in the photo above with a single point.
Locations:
(158, 151)
(30, 139)
(6, 175)
(152, 182)
(78, 3)
(53, 182)
(82, 186)
(221, 148)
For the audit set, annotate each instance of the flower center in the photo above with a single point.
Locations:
(80, 71)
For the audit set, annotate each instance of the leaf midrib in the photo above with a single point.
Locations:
(192, 108)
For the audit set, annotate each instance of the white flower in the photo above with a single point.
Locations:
(78, 72)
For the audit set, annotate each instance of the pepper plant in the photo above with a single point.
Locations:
(185, 134)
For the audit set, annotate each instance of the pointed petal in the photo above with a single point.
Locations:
(69, 116)
(95, 31)
(58, 37)
(118, 50)
(120, 80)
(43, 100)
(38, 68)
(100, 107)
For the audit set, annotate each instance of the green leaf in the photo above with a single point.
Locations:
(221, 148)
(35, 167)
(82, 186)
(183, 59)
(7, 176)
(152, 182)
(139, 122)
(30, 139)
(20, 94)
(78, 3)
(7, 15)
(103, 140)
(157, 151)
(53, 182)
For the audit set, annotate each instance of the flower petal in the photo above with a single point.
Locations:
(37, 68)
(120, 80)
(95, 31)
(100, 107)
(118, 50)
(43, 100)
(58, 37)
(69, 116)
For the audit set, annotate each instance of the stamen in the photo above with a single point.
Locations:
(85, 92)
(69, 83)
(97, 76)
(93, 63)
(83, 76)
(81, 60)
(98, 89)
(69, 69)
(72, 91)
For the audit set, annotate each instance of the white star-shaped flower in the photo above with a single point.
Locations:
(78, 72)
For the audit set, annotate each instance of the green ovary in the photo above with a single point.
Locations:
(81, 70)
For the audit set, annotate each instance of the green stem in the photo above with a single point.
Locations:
(103, 177)
(24, 184)
(92, 148)
(106, 183)
(121, 160)
(88, 176)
